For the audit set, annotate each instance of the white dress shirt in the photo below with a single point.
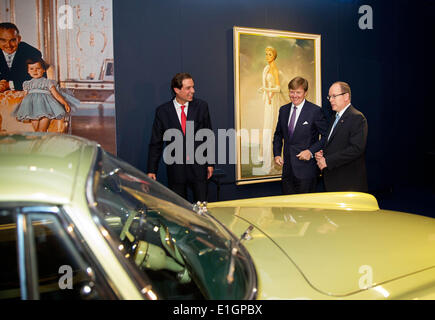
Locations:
(342, 111)
(9, 58)
(178, 108)
(339, 116)
(298, 112)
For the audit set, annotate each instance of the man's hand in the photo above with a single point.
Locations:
(152, 176)
(4, 85)
(209, 172)
(304, 155)
(278, 161)
(321, 163)
(318, 155)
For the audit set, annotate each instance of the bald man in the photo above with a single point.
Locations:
(342, 159)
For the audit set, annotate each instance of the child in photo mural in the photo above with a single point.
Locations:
(44, 100)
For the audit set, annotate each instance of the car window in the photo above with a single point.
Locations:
(62, 272)
(9, 278)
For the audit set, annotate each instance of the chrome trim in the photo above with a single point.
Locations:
(21, 226)
(105, 287)
(28, 266)
(40, 208)
(200, 207)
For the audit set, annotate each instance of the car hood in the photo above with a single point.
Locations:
(43, 167)
(340, 244)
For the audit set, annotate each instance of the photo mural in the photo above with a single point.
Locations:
(61, 78)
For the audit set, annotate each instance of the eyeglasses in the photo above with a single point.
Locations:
(335, 96)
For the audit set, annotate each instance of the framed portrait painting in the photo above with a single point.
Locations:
(107, 70)
(264, 63)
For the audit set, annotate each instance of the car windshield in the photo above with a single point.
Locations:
(186, 255)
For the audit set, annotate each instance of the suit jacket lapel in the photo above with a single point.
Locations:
(191, 110)
(285, 119)
(15, 62)
(17, 59)
(339, 123)
(191, 113)
(327, 132)
(301, 118)
(173, 117)
(3, 65)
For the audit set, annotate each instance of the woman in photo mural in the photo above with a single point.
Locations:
(44, 100)
(273, 99)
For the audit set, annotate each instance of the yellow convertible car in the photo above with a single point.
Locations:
(77, 223)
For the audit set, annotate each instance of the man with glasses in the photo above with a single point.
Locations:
(342, 159)
(300, 125)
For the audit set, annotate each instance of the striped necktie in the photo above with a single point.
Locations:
(291, 125)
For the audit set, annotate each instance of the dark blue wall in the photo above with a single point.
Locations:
(388, 69)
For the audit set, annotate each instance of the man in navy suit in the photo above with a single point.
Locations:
(179, 114)
(342, 159)
(13, 67)
(301, 128)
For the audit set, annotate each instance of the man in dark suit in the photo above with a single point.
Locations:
(300, 125)
(181, 114)
(13, 68)
(342, 160)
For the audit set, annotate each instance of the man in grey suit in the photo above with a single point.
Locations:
(342, 160)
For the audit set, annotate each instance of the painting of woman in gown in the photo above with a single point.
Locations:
(264, 63)
(273, 98)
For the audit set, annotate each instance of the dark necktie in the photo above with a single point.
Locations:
(291, 125)
(183, 120)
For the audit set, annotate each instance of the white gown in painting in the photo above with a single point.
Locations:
(273, 99)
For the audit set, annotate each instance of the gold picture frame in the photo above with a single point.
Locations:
(108, 70)
(258, 94)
